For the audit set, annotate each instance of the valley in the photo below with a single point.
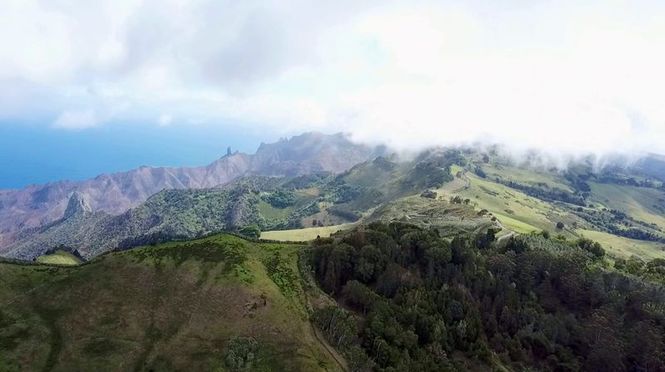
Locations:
(323, 267)
(444, 186)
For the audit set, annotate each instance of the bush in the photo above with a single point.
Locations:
(590, 246)
(240, 353)
(428, 194)
(251, 231)
(480, 172)
(281, 198)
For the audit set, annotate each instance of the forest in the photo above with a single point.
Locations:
(408, 300)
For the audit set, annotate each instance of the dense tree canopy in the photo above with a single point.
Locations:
(419, 302)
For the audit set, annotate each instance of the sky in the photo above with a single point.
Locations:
(32, 154)
(90, 87)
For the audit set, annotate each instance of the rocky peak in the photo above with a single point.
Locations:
(78, 205)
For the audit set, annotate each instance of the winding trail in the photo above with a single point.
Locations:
(333, 353)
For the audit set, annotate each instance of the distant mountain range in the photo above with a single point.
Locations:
(463, 225)
(326, 180)
(264, 202)
(37, 206)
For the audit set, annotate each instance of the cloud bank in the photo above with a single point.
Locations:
(555, 76)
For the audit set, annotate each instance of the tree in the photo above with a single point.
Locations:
(480, 172)
(251, 231)
(590, 246)
(560, 225)
(281, 198)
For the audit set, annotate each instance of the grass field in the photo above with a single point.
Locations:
(176, 306)
(640, 202)
(526, 176)
(59, 258)
(514, 209)
(306, 234)
(272, 213)
(623, 247)
(515, 224)
(521, 213)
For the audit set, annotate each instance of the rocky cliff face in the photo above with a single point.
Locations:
(78, 205)
(38, 205)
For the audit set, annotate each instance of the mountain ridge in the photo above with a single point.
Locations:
(115, 193)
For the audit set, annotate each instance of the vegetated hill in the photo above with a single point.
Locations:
(38, 205)
(385, 179)
(652, 165)
(453, 189)
(221, 303)
(449, 219)
(168, 215)
(410, 300)
(253, 203)
(617, 204)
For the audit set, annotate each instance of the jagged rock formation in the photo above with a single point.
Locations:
(38, 205)
(78, 205)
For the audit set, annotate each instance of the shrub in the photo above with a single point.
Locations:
(240, 353)
(281, 198)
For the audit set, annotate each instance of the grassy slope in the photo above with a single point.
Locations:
(167, 307)
(526, 176)
(624, 247)
(59, 258)
(450, 219)
(642, 203)
(514, 209)
(532, 214)
(271, 213)
(301, 235)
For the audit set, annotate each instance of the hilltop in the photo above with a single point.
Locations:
(221, 303)
(398, 296)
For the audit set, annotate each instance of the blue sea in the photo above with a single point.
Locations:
(34, 154)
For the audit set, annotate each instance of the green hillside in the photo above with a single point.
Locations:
(628, 220)
(220, 303)
(59, 258)
(448, 218)
(646, 204)
(625, 248)
(621, 207)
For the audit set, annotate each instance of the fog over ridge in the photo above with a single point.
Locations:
(566, 79)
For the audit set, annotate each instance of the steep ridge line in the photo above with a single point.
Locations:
(38, 205)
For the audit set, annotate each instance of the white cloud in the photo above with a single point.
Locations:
(76, 119)
(558, 76)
